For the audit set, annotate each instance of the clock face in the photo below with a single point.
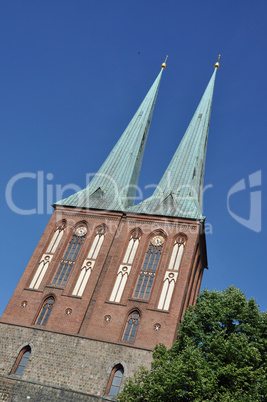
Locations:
(157, 241)
(81, 231)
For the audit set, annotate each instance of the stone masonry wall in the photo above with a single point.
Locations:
(16, 390)
(65, 361)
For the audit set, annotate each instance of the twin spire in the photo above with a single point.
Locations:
(179, 192)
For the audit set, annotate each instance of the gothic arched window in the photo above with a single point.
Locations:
(46, 258)
(41, 270)
(126, 266)
(89, 262)
(148, 272)
(56, 238)
(45, 311)
(171, 274)
(115, 380)
(131, 326)
(21, 361)
(70, 256)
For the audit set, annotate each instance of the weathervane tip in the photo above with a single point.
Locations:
(164, 65)
(217, 64)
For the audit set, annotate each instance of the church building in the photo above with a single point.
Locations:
(109, 278)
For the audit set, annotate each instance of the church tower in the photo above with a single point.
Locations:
(109, 279)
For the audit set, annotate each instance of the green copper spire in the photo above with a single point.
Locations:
(114, 186)
(179, 192)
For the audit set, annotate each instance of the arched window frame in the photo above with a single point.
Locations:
(171, 274)
(113, 389)
(57, 236)
(46, 258)
(89, 262)
(21, 361)
(150, 265)
(126, 265)
(130, 328)
(72, 251)
(44, 314)
(176, 257)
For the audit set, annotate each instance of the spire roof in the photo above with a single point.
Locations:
(179, 192)
(114, 186)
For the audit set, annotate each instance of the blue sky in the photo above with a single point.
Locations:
(74, 73)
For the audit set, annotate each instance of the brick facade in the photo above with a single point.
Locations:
(88, 311)
(78, 351)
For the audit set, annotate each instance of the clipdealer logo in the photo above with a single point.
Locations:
(47, 192)
(255, 195)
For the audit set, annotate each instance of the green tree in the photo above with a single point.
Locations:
(220, 355)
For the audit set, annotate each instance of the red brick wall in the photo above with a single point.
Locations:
(88, 312)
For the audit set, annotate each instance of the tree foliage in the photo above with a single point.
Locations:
(220, 355)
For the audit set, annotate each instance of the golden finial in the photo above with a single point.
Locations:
(217, 65)
(164, 65)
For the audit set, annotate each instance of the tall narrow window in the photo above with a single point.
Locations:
(131, 326)
(147, 275)
(45, 311)
(47, 257)
(89, 262)
(171, 274)
(56, 238)
(22, 361)
(125, 267)
(70, 256)
(115, 380)
(41, 270)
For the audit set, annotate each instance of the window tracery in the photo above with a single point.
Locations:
(45, 311)
(148, 272)
(171, 274)
(131, 326)
(125, 268)
(70, 256)
(89, 262)
(56, 238)
(47, 256)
